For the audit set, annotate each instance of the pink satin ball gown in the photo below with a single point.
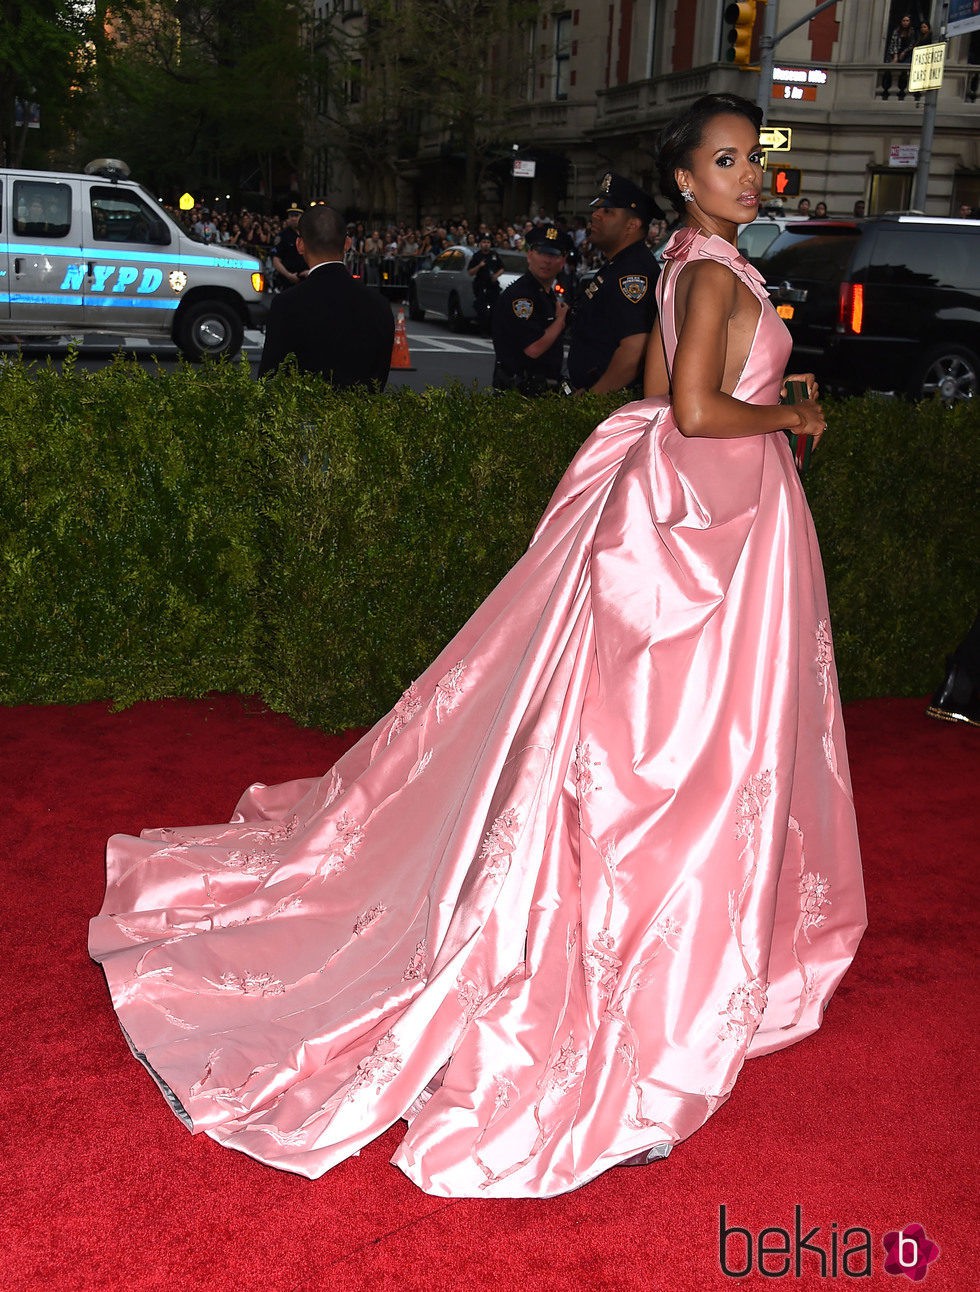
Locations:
(599, 853)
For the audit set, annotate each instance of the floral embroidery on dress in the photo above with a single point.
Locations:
(335, 787)
(825, 655)
(601, 963)
(285, 1139)
(744, 1010)
(182, 1023)
(416, 966)
(259, 864)
(583, 765)
(278, 832)
(813, 899)
(349, 837)
(470, 998)
(250, 984)
(404, 711)
(499, 844)
(380, 1067)
(666, 928)
(448, 691)
(567, 1068)
(751, 802)
(205, 1076)
(368, 918)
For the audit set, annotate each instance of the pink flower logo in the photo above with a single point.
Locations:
(909, 1252)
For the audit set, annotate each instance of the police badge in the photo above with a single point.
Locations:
(634, 287)
(523, 308)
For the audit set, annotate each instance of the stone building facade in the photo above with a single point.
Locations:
(604, 75)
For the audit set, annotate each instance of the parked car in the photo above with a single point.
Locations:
(756, 239)
(887, 304)
(446, 289)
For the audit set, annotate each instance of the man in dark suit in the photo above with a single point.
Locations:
(330, 322)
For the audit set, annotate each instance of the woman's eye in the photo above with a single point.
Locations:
(757, 158)
(724, 161)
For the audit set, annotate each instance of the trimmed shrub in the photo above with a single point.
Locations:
(128, 503)
(175, 533)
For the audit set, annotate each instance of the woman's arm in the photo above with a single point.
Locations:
(711, 307)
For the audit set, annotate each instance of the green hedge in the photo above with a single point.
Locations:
(176, 533)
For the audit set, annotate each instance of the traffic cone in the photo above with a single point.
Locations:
(400, 357)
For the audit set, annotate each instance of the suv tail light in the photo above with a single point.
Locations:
(850, 313)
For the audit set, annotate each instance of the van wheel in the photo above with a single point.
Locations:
(415, 311)
(949, 373)
(209, 330)
(457, 321)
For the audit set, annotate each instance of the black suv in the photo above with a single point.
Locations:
(890, 303)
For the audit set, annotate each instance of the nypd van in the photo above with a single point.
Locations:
(96, 253)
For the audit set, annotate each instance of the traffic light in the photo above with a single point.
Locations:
(739, 25)
(786, 181)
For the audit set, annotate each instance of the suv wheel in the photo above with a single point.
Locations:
(209, 330)
(949, 373)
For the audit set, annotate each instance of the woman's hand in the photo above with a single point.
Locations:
(809, 380)
(811, 421)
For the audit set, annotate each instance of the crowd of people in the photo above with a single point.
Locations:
(410, 246)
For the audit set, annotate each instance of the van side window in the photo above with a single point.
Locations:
(42, 209)
(119, 216)
(926, 258)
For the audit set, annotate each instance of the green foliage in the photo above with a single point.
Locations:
(199, 94)
(43, 59)
(392, 517)
(130, 566)
(178, 533)
(894, 493)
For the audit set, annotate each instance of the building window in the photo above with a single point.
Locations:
(563, 53)
(353, 86)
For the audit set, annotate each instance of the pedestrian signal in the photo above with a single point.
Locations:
(739, 20)
(786, 181)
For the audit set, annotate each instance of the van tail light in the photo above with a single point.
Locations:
(850, 313)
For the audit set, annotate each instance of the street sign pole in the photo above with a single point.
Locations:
(921, 185)
(769, 40)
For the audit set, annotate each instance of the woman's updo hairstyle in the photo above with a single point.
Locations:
(680, 137)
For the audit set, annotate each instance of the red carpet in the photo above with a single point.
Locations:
(865, 1126)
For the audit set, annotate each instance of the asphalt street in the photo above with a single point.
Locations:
(438, 356)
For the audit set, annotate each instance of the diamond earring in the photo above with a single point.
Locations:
(687, 195)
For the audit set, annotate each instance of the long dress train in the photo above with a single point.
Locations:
(600, 852)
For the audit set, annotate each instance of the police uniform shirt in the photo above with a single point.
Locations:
(286, 251)
(521, 315)
(618, 302)
(486, 264)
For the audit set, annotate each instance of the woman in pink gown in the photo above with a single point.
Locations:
(600, 853)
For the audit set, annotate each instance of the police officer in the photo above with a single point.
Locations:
(614, 313)
(485, 268)
(528, 319)
(287, 262)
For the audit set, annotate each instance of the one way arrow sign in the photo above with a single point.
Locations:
(776, 139)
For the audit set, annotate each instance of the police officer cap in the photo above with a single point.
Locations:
(294, 210)
(548, 237)
(620, 193)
